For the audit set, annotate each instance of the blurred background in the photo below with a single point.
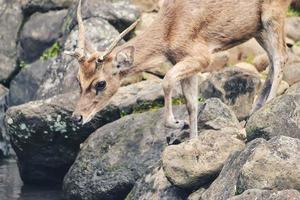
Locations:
(38, 83)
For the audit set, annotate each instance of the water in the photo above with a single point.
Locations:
(12, 188)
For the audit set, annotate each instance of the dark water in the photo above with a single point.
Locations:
(12, 188)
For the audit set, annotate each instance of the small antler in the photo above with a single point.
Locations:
(80, 50)
(121, 36)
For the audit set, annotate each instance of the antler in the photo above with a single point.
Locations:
(115, 43)
(79, 52)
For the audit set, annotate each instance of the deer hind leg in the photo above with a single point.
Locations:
(272, 39)
(190, 92)
(182, 71)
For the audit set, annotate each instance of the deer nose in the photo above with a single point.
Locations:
(77, 118)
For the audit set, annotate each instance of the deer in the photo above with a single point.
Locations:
(185, 33)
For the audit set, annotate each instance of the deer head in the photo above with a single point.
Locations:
(100, 73)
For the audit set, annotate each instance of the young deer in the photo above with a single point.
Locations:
(186, 33)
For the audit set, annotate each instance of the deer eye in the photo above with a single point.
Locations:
(100, 86)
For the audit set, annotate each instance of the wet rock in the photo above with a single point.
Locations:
(292, 26)
(224, 186)
(24, 86)
(273, 165)
(279, 117)
(268, 195)
(235, 87)
(46, 140)
(31, 6)
(154, 185)
(10, 22)
(39, 33)
(116, 156)
(198, 161)
(4, 139)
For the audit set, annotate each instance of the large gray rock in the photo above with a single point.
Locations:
(32, 6)
(4, 140)
(224, 186)
(39, 33)
(268, 195)
(24, 86)
(292, 28)
(272, 165)
(47, 142)
(116, 155)
(281, 116)
(197, 162)
(154, 185)
(235, 87)
(10, 22)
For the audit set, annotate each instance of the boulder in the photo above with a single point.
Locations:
(198, 161)
(47, 142)
(247, 66)
(292, 27)
(268, 195)
(4, 140)
(281, 116)
(31, 6)
(291, 73)
(154, 185)
(114, 157)
(224, 186)
(10, 23)
(273, 165)
(39, 33)
(24, 86)
(236, 87)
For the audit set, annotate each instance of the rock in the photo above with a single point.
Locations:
(268, 195)
(47, 142)
(296, 50)
(282, 88)
(247, 66)
(39, 33)
(291, 73)
(154, 185)
(292, 27)
(197, 162)
(197, 194)
(31, 6)
(4, 139)
(294, 89)
(224, 186)
(24, 86)
(235, 87)
(114, 157)
(245, 52)
(10, 22)
(148, 5)
(273, 165)
(281, 116)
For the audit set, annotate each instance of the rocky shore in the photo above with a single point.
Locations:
(126, 152)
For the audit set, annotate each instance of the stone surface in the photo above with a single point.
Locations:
(247, 66)
(4, 139)
(291, 73)
(31, 6)
(281, 116)
(235, 87)
(224, 186)
(294, 89)
(292, 27)
(10, 23)
(198, 161)
(275, 164)
(154, 185)
(116, 155)
(47, 142)
(268, 195)
(39, 33)
(24, 86)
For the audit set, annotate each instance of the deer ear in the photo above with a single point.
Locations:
(124, 59)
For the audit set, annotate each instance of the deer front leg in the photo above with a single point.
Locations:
(183, 70)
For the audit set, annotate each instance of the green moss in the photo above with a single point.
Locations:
(292, 12)
(51, 52)
(23, 65)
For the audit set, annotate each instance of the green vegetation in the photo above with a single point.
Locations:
(51, 52)
(22, 64)
(292, 12)
(250, 59)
